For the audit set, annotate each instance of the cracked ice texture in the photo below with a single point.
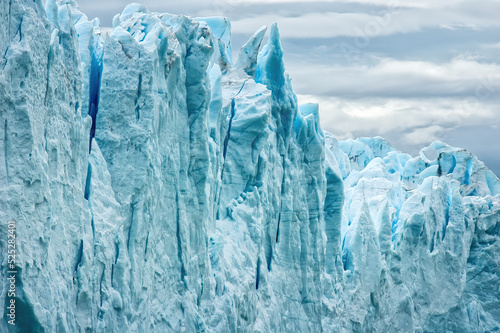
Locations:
(157, 186)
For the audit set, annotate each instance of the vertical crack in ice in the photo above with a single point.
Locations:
(146, 247)
(454, 164)
(281, 203)
(303, 259)
(278, 228)
(131, 226)
(137, 97)
(4, 60)
(332, 210)
(86, 193)
(101, 293)
(179, 241)
(224, 150)
(226, 142)
(117, 250)
(117, 253)
(431, 246)
(19, 31)
(47, 85)
(6, 150)
(228, 135)
(132, 234)
(92, 224)
(79, 257)
(347, 262)
(468, 172)
(10, 16)
(241, 88)
(94, 88)
(257, 274)
(394, 227)
(198, 299)
(268, 252)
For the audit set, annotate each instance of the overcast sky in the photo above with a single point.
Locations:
(412, 71)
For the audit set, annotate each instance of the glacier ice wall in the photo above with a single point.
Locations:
(158, 186)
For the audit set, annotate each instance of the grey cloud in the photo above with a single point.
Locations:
(433, 44)
(394, 78)
(368, 24)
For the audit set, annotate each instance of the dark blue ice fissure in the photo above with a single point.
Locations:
(10, 16)
(101, 291)
(92, 224)
(6, 143)
(86, 193)
(269, 252)
(226, 140)
(112, 274)
(226, 143)
(179, 243)
(431, 246)
(79, 256)
(257, 274)
(130, 231)
(278, 228)
(283, 182)
(137, 97)
(94, 89)
(117, 250)
(468, 172)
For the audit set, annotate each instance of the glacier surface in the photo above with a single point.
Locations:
(157, 186)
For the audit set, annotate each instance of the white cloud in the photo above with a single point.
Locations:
(384, 3)
(422, 136)
(358, 18)
(390, 77)
(373, 23)
(493, 46)
(455, 27)
(411, 123)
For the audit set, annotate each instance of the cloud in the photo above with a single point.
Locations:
(408, 123)
(422, 136)
(460, 77)
(299, 18)
(493, 46)
(369, 22)
(455, 27)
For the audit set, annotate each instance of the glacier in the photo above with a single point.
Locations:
(158, 186)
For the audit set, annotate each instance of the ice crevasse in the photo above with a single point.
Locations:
(157, 186)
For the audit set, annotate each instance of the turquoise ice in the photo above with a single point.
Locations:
(158, 186)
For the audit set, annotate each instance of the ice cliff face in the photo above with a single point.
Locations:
(210, 201)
